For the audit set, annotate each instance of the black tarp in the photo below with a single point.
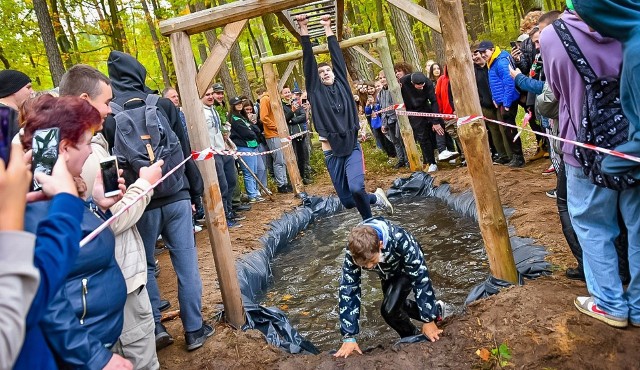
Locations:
(254, 269)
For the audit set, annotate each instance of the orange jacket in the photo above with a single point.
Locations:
(269, 124)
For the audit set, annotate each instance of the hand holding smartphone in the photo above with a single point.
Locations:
(109, 170)
(7, 115)
(44, 144)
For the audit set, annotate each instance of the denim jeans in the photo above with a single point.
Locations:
(594, 213)
(174, 222)
(251, 162)
(261, 171)
(227, 179)
(347, 176)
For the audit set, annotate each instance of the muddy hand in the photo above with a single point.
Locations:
(347, 348)
(431, 331)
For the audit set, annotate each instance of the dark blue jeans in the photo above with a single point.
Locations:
(347, 176)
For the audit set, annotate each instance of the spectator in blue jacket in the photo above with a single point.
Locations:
(505, 95)
(84, 317)
(393, 253)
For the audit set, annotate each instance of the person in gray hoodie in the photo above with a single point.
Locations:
(594, 210)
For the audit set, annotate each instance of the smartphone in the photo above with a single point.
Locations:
(109, 169)
(45, 152)
(513, 44)
(7, 116)
(304, 101)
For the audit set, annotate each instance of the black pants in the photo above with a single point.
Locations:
(422, 134)
(509, 116)
(227, 179)
(396, 309)
(301, 156)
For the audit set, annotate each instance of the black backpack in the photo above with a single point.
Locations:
(602, 123)
(142, 137)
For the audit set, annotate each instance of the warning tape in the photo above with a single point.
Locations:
(399, 108)
(208, 153)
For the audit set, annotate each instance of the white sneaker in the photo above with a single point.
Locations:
(197, 228)
(432, 168)
(383, 202)
(447, 155)
(453, 161)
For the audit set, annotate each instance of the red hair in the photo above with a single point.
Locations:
(72, 115)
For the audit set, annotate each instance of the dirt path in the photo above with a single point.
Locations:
(538, 322)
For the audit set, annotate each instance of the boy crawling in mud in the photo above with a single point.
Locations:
(394, 254)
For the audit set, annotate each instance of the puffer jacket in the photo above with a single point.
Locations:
(401, 254)
(85, 317)
(503, 88)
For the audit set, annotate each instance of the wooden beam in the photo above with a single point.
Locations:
(339, 18)
(271, 81)
(287, 21)
(394, 87)
(475, 142)
(366, 54)
(358, 40)
(287, 73)
(419, 13)
(314, 3)
(218, 54)
(216, 221)
(219, 16)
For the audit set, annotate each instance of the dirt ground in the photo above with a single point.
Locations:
(537, 322)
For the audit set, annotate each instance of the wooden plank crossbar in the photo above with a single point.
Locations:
(366, 54)
(418, 12)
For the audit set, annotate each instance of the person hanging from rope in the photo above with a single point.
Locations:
(336, 120)
(395, 255)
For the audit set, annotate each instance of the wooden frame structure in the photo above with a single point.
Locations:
(234, 17)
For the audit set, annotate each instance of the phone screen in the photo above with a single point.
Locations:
(7, 115)
(109, 170)
(513, 44)
(304, 101)
(45, 152)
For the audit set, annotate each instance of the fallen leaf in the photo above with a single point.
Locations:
(284, 307)
(484, 354)
(287, 297)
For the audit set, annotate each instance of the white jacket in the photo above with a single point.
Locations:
(129, 251)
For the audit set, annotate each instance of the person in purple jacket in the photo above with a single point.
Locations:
(594, 210)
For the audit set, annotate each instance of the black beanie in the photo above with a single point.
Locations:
(12, 81)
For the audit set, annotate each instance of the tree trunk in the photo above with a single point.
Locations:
(4, 59)
(404, 36)
(504, 23)
(156, 43)
(61, 36)
(49, 39)
(278, 46)
(237, 61)
(75, 57)
(380, 15)
(468, 20)
(356, 62)
(436, 38)
(119, 38)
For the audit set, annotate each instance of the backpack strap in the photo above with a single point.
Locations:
(575, 54)
(115, 108)
(152, 99)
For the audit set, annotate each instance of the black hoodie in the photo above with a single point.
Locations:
(127, 82)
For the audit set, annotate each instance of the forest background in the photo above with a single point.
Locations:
(43, 38)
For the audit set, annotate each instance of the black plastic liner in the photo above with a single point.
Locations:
(254, 269)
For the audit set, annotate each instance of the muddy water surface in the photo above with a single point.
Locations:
(307, 273)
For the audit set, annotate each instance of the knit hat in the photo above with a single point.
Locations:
(12, 81)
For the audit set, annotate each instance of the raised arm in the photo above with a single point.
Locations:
(309, 64)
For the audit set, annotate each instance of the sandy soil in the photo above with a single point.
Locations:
(537, 321)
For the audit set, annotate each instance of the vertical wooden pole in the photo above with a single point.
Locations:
(394, 87)
(475, 142)
(271, 81)
(214, 211)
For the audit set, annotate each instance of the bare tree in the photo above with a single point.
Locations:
(404, 36)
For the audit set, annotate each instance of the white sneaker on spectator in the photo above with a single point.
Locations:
(432, 168)
(382, 201)
(197, 228)
(447, 155)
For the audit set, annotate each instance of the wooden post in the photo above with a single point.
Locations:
(271, 81)
(214, 211)
(394, 87)
(475, 142)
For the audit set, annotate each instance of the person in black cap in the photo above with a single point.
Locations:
(419, 95)
(336, 120)
(15, 89)
(505, 95)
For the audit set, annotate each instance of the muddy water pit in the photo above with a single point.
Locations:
(306, 274)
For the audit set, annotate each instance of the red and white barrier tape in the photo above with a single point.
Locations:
(208, 153)
(399, 108)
